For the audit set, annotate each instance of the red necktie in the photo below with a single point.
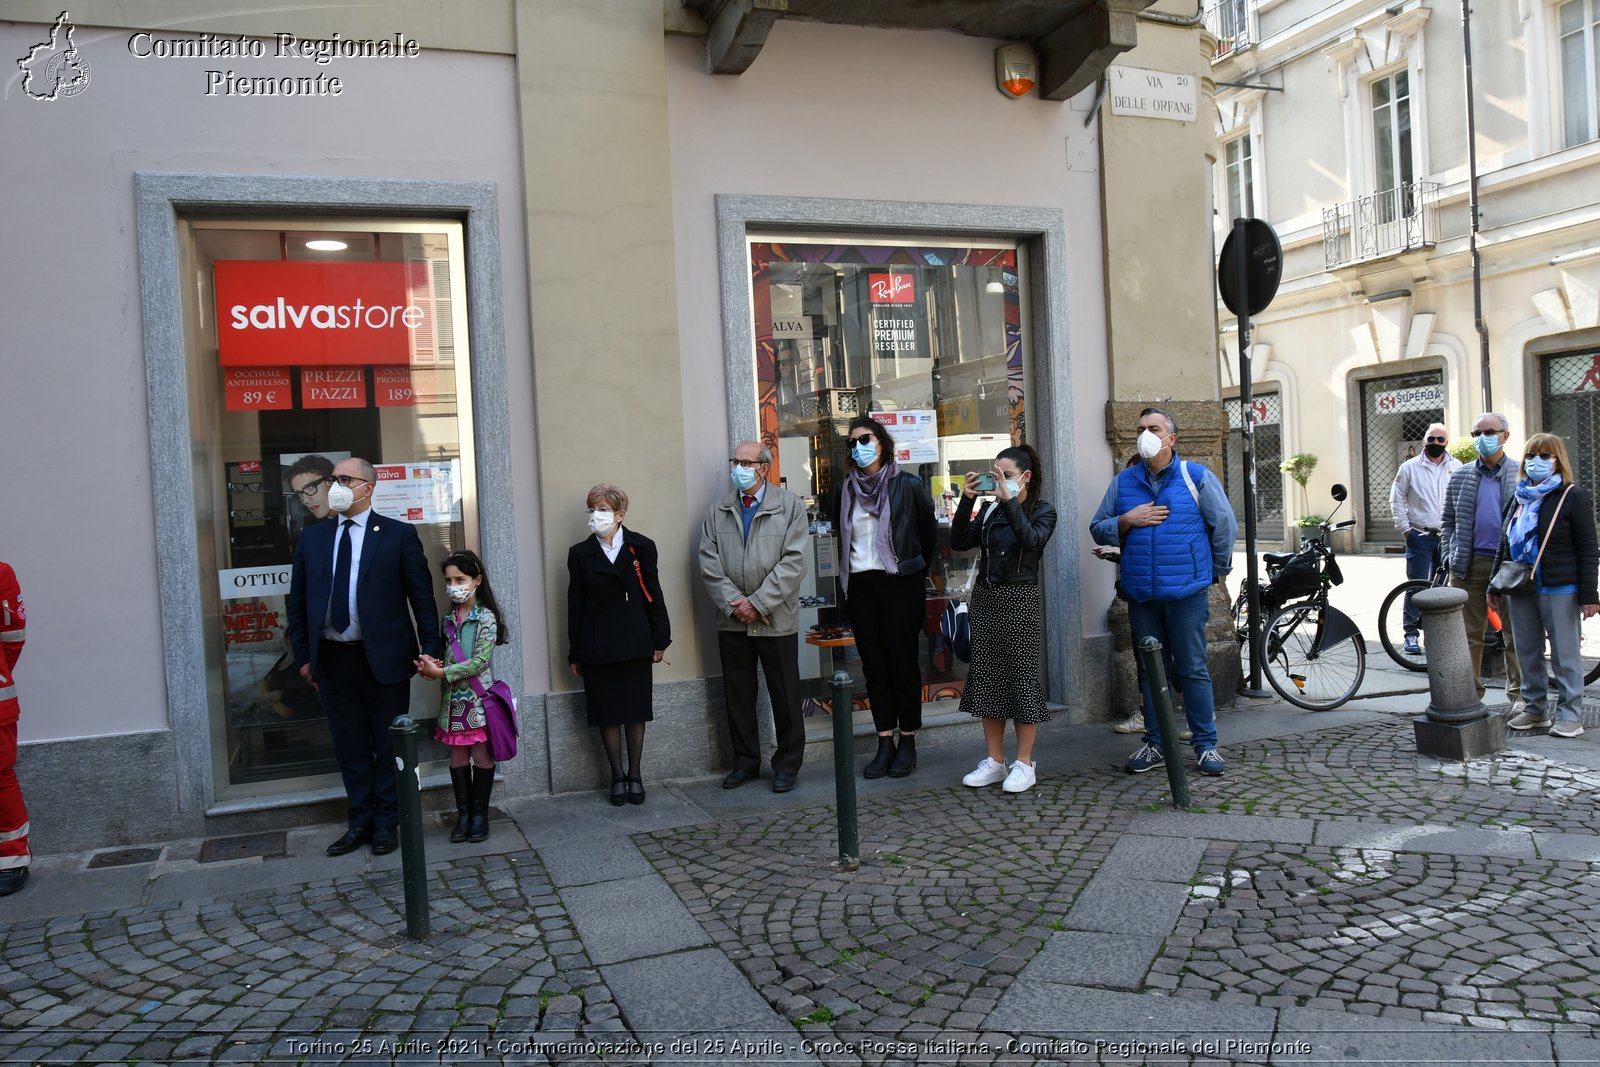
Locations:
(749, 502)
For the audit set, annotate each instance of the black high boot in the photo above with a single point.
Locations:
(461, 780)
(482, 786)
(905, 757)
(880, 762)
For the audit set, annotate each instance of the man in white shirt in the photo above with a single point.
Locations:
(1417, 500)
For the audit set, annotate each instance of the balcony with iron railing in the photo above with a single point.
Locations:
(1402, 219)
(1228, 22)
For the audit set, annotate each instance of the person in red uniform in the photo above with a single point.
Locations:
(14, 857)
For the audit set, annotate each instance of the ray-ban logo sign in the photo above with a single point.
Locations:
(891, 288)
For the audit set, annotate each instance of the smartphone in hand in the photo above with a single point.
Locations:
(985, 483)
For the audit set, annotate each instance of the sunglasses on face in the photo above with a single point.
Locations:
(1548, 457)
(864, 439)
(1437, 440)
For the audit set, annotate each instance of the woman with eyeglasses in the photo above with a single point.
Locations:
(1549, 523)
(1005, 613)
(617, 629)
(887, 540)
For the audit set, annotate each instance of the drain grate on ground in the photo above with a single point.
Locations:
(217, 849)
(123, 857)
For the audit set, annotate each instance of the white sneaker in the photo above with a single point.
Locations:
(1516, 709)
(987, 773)
(1133, 724)
(1021, 778)
(1562, 728)
(1187, 735)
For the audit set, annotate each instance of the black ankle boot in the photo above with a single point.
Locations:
(461, 780)
(482, 786)
(880, 762)
(905, 757)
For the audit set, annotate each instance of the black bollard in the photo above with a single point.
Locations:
(844, 772)
(404, 732)
(1155, 673)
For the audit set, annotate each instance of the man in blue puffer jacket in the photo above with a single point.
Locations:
(1176, 528)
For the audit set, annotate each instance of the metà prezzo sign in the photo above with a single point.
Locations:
(1152, 94)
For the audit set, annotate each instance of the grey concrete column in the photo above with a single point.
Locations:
(1456, 725)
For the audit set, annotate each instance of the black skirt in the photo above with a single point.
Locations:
(618, 694)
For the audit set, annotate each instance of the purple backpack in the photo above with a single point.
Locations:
(499, 706)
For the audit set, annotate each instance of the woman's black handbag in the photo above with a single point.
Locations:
(1515, 578)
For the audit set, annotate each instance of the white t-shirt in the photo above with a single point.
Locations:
(863, 541)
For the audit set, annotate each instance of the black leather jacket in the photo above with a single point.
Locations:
(1012, 539)
(912, 527)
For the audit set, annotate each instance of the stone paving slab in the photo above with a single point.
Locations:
(698, 990)
(588, 817)
(1427, 838)
(1572, 1049)
(1340, 1038)
(100, 890)
(1223, 827)
(1087, 958)
(1046, 1008)
(602, 860)
(1578, 847)
(1155, 859)
(631, 918)
(1127, 906)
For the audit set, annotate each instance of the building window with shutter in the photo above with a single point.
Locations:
(1578, 24)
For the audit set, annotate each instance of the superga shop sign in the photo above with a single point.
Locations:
(1415, 398)
(274, 312)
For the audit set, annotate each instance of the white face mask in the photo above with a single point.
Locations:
(340, 497)
(460, 594)
(1149, 445)
(602, 521)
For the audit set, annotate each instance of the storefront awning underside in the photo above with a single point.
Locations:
(1076, 39)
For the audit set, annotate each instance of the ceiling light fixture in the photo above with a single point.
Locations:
(323, 244)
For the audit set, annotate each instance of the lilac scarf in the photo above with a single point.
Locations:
(869, 492)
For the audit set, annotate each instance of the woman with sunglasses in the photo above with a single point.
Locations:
(887, 540)
(1549, 522)
(1003, 681)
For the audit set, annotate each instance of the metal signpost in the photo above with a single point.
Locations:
(1247, 276)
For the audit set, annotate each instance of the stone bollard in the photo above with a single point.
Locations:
(1456, 725)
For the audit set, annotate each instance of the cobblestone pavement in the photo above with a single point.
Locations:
(959, 889)
(1335, 896)
(314, 974)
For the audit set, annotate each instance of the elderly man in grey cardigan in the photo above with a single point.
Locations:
(752, 557)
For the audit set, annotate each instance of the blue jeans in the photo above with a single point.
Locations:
(1180, 626)
(1420, 550)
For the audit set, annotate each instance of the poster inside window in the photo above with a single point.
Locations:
(925, 338)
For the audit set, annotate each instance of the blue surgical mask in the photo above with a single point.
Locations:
(744, 479)
(1538, 469)
(864, 454)
(1487, 444)
(1013, 487)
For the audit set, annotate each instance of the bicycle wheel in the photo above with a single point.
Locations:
(1304, 675)
(1391, 625)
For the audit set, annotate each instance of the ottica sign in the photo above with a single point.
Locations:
(318, 313)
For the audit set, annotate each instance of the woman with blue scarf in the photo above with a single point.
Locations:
(887, 540)
(1550, 520)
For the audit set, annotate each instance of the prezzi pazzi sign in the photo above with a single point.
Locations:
(273, 312)
(1152, 94)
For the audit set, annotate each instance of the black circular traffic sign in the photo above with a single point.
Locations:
(1263, 267)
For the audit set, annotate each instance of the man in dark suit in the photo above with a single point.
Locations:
(353, 582)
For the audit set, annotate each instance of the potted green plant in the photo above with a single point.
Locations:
(1306, 525)
(1463, 449)
(1299, 467)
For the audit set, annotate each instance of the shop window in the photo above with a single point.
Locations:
(1571, 388)
(925, 338)
(1395, 416)
(1267, 415)
(309, 343)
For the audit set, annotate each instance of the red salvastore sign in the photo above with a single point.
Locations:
(272, 312)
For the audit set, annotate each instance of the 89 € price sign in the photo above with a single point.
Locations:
(258, 388)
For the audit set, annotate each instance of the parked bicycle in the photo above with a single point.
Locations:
(1313, 654)
(1391, 626)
